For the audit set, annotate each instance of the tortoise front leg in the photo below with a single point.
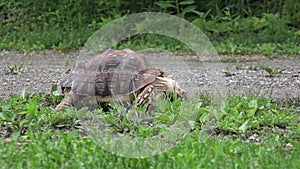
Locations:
(159, 86)
(143, 96)
(67, 101)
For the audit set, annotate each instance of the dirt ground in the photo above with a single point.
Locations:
(38, 71)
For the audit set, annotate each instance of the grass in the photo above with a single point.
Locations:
(249, 132)
(234, 27)
(65, 150)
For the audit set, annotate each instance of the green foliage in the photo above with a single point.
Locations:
(248, 114)
(233, 26)
(271, 71)
(38, 137)
(180, 8)
(228, 72)
(145, 41)
(14, 69)
(139, 121)
(31, 25)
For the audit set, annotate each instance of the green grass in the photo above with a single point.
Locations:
(66, 150)
(34, 135)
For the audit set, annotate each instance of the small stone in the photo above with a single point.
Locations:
(254, 137)
(289, 145)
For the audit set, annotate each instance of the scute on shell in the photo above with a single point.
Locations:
(112, 72)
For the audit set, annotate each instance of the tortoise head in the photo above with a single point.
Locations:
(168, 84)
(158, 80)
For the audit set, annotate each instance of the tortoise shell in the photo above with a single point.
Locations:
(113, 72)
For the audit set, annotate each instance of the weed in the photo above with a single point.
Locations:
(238, 65)
(253, 67)
(267, 49)
(249, 114)
(228, 72)
(14, 69)
(145, 121)
(271, 71)
(67, 60)
(182, 8)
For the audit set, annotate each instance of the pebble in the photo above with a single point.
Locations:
(289, 145)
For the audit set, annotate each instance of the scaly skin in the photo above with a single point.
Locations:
(67, 101)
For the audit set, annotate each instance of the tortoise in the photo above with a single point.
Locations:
(116, 75)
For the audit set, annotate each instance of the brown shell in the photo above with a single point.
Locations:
(110, 73)
(144, 78)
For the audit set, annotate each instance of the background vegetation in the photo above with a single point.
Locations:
(234, 26)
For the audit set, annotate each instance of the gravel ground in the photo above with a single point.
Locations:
(41, 70)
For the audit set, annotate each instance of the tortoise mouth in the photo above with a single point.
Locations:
(168, 84)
